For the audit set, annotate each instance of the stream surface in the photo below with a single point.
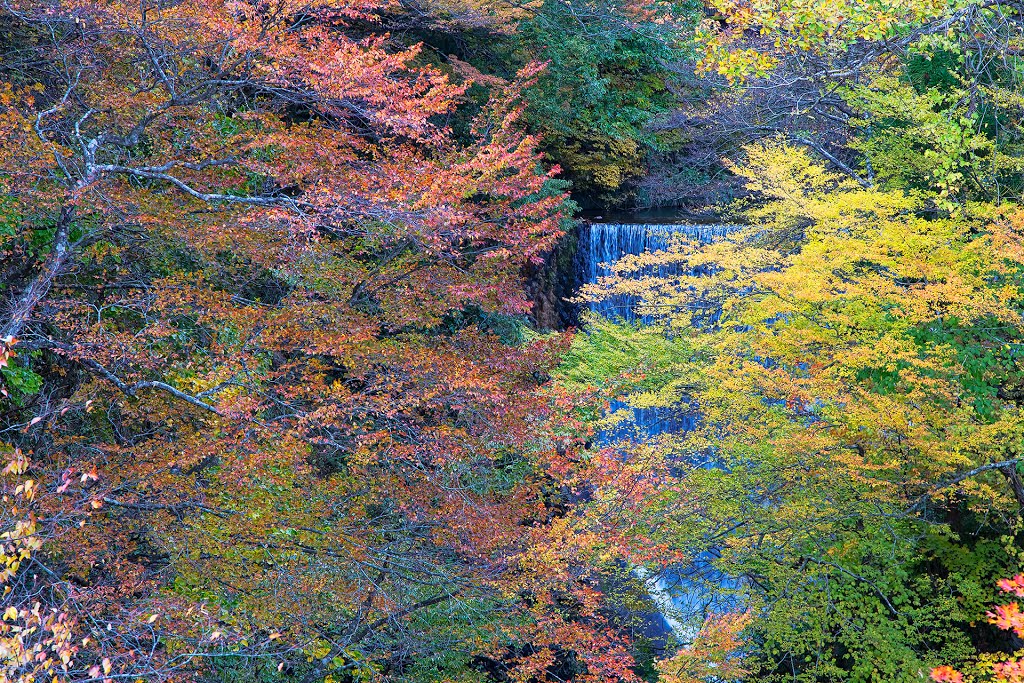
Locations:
(682, 595)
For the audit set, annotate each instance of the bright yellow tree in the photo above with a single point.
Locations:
(856, 365)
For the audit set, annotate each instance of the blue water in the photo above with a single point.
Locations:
(683, 594)
(602, 244)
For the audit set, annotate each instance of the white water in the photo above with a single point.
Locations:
(602, 244)
(681, 602)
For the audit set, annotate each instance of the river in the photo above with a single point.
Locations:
(682, 595)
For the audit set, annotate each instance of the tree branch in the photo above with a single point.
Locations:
(866, 184)
(40, 286)
(365, 630)
(1002, 466)
(157, 173)
(173, 507)
(131, 389)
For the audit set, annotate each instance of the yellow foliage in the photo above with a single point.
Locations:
(815, 26)
(35, 642)
(605, 163)
(836, 341)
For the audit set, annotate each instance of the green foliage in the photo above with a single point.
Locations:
(937, 127)
(608, 77)
(10, 216)
(888, 600)
(987, 358)
(20, 380)
(609, 353)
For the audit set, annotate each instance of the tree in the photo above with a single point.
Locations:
(610, 74)
(261, 421)
(917, 95)
(856, 464)
(1007, 617)
(821, 31)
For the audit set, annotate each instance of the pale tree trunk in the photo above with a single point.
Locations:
(1016, 483)
(25, 304)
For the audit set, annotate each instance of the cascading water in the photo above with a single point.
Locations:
(689, 591)
(602, 244)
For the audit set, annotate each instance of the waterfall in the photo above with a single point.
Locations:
(605, 243)
(602, 244)
(684, 592)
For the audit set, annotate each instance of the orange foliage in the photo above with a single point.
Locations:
(284, 430)
(1007, 617)
(714, 654)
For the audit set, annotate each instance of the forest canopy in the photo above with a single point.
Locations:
(300, 380)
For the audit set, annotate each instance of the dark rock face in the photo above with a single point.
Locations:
(552, 283)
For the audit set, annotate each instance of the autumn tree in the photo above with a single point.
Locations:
(269, 406)
(1007, 617)
(856, 470)
(920, 96)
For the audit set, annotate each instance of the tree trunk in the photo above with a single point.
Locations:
(1013, 478)
(34, 293)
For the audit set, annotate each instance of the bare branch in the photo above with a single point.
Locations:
(1002, 465)
(155, 173)
(40, 286)
(830, 157)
